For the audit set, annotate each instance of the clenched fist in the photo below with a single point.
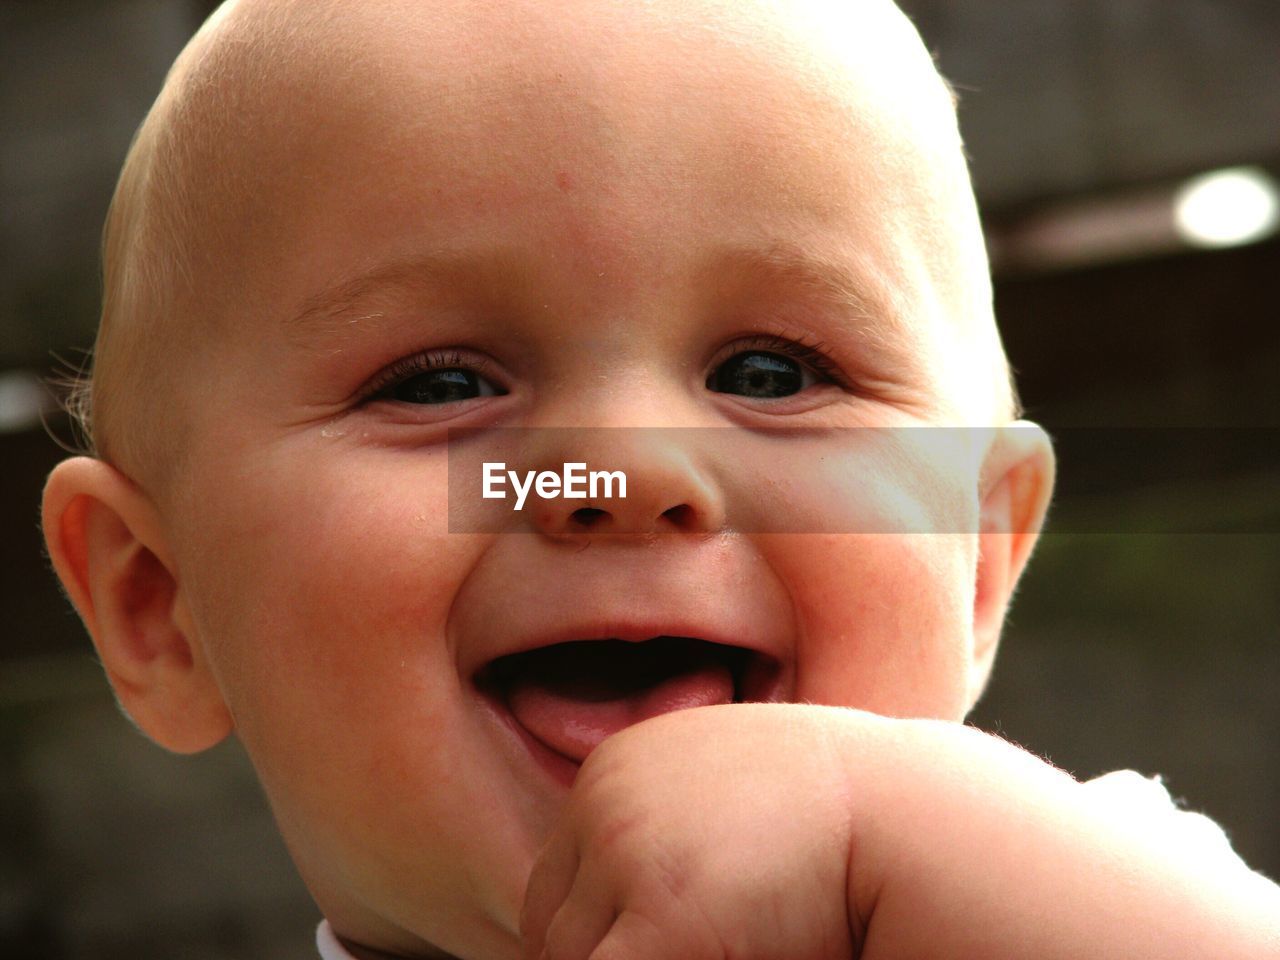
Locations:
(708, 833)
(799, 832)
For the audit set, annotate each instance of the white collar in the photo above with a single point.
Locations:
(329, 945)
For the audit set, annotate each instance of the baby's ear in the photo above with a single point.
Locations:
(1016, 484)
(107, 545)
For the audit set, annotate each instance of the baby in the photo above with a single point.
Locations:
(353, 241)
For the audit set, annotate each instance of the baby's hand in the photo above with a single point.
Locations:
(708, 833)
(817, 833)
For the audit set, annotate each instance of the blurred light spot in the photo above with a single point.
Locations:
(23, 400)
(1227, 208)
(1085, 231)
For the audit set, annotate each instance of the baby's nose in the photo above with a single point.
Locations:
(648, 480)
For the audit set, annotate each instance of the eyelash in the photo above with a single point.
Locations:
(799, 347)
(409, 367)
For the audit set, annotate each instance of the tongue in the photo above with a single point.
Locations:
(574, 695)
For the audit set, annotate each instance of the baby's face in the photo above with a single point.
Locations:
(617, 220)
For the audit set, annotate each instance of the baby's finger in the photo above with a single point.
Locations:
(635, 937)
(582, 920)
(549, 884)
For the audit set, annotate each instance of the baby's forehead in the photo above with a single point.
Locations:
(287, 65)
(286, 125)
(276, 99)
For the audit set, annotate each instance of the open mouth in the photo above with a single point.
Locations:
(570, 696)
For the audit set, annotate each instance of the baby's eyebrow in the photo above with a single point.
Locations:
(859, 297)
(849, 288)
(335, 310)
(820, 276)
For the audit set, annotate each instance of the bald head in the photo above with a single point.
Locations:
(277, 109)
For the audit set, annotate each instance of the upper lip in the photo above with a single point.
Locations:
(637, 631)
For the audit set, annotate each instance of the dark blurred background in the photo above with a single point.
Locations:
(1130, 295)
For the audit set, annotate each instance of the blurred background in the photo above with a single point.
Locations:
(1126, 156)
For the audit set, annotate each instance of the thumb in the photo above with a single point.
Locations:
(549, 884)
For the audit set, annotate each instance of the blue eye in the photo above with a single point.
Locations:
(434, 378)
(760, 374)
(441, 386)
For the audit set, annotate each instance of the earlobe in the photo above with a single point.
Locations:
(108, 548)
(1017, 483)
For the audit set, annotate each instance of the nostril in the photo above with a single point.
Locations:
(587, 516)
(681, 515)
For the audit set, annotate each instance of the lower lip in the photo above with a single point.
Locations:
(560, 768)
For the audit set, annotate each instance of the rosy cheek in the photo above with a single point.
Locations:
(882, 621)
(330, 590)
(848, 481)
